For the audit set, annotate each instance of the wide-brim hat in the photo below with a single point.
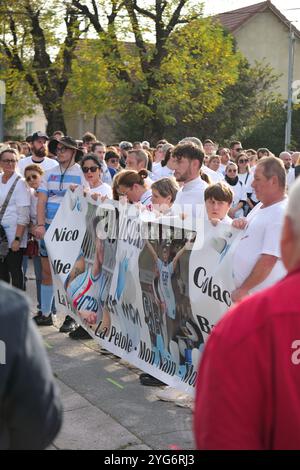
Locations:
(66, 141)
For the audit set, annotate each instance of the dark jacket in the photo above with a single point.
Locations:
(30, 407)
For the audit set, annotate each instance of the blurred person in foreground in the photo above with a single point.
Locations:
(30, 407)
(248, 384)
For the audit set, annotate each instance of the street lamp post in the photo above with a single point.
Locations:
(288, 128)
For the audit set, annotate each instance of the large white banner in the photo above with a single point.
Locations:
(149, 292)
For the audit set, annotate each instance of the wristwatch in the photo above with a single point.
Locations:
(17, 239)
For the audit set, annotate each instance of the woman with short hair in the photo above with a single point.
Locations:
(93, 171)
(164, 193)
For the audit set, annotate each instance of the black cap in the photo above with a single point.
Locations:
(39, 135)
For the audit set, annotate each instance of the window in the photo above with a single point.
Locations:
(28, 128)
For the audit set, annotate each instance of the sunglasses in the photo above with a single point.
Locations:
(231, 171)
(113, 160)
(239, 150)
(32, 177)
(243, 161)
(93, 169)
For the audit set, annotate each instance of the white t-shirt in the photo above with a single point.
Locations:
(261, 236)
(106, 177)
(33, 206)
(103, 189)
(245, 178)
(146, 199)
(19, 198)
(290, 177)
(248, 184)
(240, 194)
(215, 176)
(45, 164)
(161, 172)
(222, 169)
(190, 197)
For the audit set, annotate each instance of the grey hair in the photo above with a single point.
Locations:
(273, 166)
(293, 207)
(9, 150)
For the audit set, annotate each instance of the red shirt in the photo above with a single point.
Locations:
(248, 386)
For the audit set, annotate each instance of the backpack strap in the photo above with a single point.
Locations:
(8, 197)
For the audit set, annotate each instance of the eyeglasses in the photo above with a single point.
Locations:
(232, 171)
(125, 193)
(32, 177)
(61, 149)
(9, 161)
(243, 161)
(93, 169)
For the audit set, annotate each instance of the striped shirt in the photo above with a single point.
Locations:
(55, 183)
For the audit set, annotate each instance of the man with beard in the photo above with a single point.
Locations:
(188, 159)
(286, 157)
(39, 151)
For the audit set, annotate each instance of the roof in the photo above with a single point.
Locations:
(234, 19)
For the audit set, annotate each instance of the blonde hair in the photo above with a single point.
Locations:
(34, 167)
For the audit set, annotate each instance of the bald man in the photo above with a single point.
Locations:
(287, 159)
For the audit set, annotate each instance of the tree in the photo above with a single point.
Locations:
(186, 61)
(269, 130)
(31, 45)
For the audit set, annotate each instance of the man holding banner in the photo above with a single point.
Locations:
(256, 262)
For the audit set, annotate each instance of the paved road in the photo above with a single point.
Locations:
(105, 407)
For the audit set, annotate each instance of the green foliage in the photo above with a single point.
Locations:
(243, 104)
(89, 89)
(270, 129)
(20, 99)
(199, 64)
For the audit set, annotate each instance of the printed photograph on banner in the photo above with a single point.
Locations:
(174, 335)
(125, 299)
(87, 284)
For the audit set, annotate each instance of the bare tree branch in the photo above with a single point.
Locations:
(93, 17)
(143, 12)
(176, 16)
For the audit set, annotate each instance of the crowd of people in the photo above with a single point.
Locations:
(247, 188)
